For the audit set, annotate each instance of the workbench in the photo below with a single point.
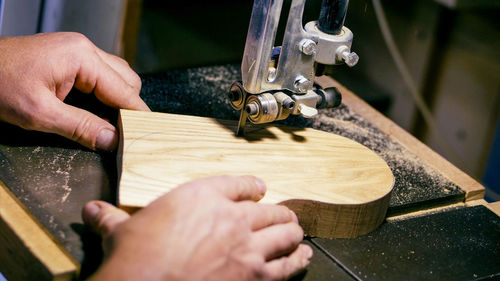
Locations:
(437, 227)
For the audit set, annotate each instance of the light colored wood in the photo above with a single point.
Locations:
(27, 251)
(129, 30)
(494, 207)
(337, 187)
(473, 189)
(478, 202)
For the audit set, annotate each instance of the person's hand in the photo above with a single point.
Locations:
(37, 73)
(208, 229)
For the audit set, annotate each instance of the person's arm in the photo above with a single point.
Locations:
(209, 229)
(37, 72)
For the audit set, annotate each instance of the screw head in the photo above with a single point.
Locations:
(302, 84)
(351, 59)
(308, 47)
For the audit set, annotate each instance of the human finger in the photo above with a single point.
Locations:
(277, 240)
(78, 125)
(236, 188)
(96, 76)
(264, 215)
(286, 267)
(103, 217)
(122, 67)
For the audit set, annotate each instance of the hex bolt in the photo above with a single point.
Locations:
(343, 53)
(302, 84)
(350, 58)
(308, 47)
(252, 108)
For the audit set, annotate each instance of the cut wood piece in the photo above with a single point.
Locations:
(337, 187)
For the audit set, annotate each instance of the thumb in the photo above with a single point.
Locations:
(103, 217)
(81, 126)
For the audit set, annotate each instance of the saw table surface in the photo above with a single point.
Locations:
(52, 178)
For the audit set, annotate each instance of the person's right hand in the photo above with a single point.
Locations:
(37, 73)
(208, 229)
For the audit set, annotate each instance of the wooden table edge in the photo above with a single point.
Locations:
(37, 244)
(473, 189)
(494, 207)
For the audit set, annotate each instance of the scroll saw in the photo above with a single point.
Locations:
(278, 81)
(345, 192)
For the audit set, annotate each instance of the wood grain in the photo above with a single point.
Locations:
(337, 187)
(27, 251)
(473, 189)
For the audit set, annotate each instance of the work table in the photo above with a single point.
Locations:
(437, 227)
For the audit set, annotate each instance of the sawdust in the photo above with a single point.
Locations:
(199, 91)
(56, 174)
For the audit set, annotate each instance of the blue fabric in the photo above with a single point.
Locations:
(1, 19)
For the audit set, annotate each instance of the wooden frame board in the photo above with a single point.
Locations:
(28, 251)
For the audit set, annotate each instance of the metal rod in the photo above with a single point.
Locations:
(332, 16)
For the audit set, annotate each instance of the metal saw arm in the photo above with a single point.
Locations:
(279, 81)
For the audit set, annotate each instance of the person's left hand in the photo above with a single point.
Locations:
(37, 73)
(207, 229)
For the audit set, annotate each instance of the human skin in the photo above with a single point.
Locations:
(208, 229)
(37, 72)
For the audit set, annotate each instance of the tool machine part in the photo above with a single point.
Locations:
(279, 81)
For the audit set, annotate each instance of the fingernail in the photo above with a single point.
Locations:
(107, 140)
(308, 252)
(260, 185)
(90, 211)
